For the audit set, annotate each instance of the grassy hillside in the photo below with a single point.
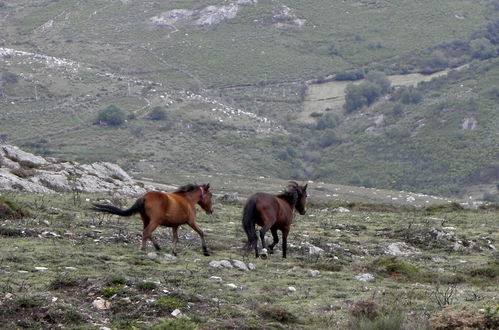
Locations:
(58, 259)
(235, 92)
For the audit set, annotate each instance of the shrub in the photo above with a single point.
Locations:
(482, 49)
(23, 173)
(490, 197)
(169, 303)
(462, 317)
(408, 95)
(183, 323)
(380, 79)
(349, 75)
(327, 121)
(493, 32)
(390, 265)
(277, 312)
(10, 209)
(10, 78)
(112, 115)
(146, 286)
(109, 291)
(157, 113)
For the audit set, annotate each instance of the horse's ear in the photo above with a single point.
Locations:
(207, 186)
(305, 187)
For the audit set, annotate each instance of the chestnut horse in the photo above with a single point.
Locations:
(274, 212)
(158, 208)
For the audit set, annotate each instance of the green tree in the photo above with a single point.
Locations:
(111, 115)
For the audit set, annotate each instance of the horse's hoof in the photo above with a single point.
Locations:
(264, 256)
(206, 253)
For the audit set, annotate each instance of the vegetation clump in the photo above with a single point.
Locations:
(111, 115)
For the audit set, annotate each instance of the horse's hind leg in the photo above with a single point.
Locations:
(285, 232)
(273, 230)
(198, 230)
(174, 240)
(147, 234)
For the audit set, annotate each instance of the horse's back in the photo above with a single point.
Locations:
(167, 208)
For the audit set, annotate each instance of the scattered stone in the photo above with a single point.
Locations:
(314, 273)
(152, 255)
(101, 303)
(41, 269)
(216, 279)
(341, 210)
(8, 295)
(231, 286)
(104, 328)
(401, 249)
(240, 265)
(438, 259)
(492, 247)
(49, 233)
(315, 250)
(220, 264)
(291, 289)
(177, 313)
(367, 277)
(251, 266)
(71, 268)
(169, 257)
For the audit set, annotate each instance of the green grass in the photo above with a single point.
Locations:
(144, 290)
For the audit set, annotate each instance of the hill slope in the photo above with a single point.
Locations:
(233, 76)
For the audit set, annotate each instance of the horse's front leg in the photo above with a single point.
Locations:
(198, 230)
(263, 231)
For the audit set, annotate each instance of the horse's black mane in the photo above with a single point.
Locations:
(186, 188)
(291, 194)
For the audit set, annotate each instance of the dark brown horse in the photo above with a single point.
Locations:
(158, 208)
(274, 212)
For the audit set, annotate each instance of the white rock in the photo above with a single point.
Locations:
(365, 277)
(41, 269)
(401, 249)
(177, 313)
(314, 273)
(315, 250)
(101, 303)
(169, 257)
(216, 279)
(152, 255)
(341, 210)
(291, 289)
(71, 268)
(251, 266)
(240, 265)
(226, 263)
(231, 286)
(215, 264)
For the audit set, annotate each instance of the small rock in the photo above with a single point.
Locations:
(401, 249)
(101, 303)
(177, 313)
(365, 277)
(314, 273)
(216, 279)
(315, 250)
(240, 265)
(215, 264)
(54, 299)
(341, 210)
(492, 247)
(291, 289)
(438, 259)
(231, 286)
(226, 263)
(41, 269)
(169, 257)
(251, 266)
(104, 328)
(8, 295)
(152, 255)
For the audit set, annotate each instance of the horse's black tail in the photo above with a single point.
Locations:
(135, 208)
(249, 224)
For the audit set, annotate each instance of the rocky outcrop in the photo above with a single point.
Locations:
(23, 171)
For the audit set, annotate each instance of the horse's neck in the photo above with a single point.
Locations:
(286, 202)
(192, 197)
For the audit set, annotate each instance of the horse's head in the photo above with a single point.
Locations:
(205, 200)
(302, 199)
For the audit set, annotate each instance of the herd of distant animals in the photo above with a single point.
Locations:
(270, 212)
